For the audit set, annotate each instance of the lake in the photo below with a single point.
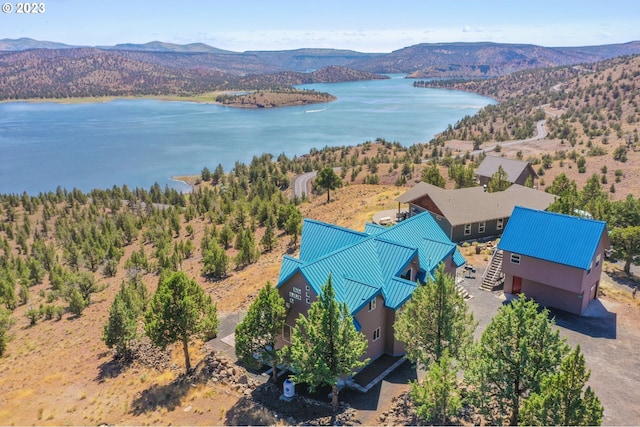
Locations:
(140, 142)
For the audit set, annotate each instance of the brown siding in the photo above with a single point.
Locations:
(299, 305)
(369, 320)
(425, 202)
(526, 173)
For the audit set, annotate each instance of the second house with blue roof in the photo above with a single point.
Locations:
(553, 258)
(374, 272)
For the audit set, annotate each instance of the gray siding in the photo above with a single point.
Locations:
(490, 230)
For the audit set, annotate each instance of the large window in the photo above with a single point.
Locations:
(286, 333)
(376, 334)
(515, 259)
(467, 229)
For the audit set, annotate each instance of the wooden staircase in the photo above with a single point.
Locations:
(493, 276)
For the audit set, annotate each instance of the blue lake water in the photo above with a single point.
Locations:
(140, 142)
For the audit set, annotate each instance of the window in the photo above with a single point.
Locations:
(515, 259)
(372, 304)
(589, 269)
(467, 229)
(407, 274)
(598, 260)
(376, 334)
(481, 227)
(499, 223)
(308, 300)
(286, 333)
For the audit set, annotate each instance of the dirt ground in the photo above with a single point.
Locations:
(61, 373)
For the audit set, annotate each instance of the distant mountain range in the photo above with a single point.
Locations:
(30, 66)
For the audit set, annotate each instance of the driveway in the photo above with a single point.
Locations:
(608, 336)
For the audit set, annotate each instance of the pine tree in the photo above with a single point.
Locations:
(179, 310)
(626, 242)
(328, 180)
(258, 331)
(247, 252)
(122, 326)
(562, 400)
(293, 225)
(215, 260)
(6, 322)
(438, 394)
(499, 181)
(436, 319)
(268, 240)
(431, 175)
(326, 345)
(517, 350)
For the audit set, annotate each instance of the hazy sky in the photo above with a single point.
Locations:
(362, 25)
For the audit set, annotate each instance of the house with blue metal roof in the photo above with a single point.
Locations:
(374, 272)
(553, 258)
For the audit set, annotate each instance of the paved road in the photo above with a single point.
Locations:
(301, 182)
(541, 133)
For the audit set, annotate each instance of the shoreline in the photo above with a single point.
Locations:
(207, 98)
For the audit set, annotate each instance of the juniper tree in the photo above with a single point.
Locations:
(179, 310)
(436, 319)
(499, 181)
(6, 322)
(328, 180)
(516, 351)
(562, 399)
(122, 326)
(326, 345)
(431, 175)
(258, 331)
(438, 394)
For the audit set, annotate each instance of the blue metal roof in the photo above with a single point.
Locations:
(397, 291)
(563, 239)
(288, 267)
(319, 238)
(371, 228)
(362, 265)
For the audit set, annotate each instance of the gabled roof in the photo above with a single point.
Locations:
(474, 204)
(512, 167)
(319, 238)
(563, 239)
(362, 265)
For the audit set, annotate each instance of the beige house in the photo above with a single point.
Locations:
(472, 213)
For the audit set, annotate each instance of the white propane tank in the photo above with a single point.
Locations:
(289, 388)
